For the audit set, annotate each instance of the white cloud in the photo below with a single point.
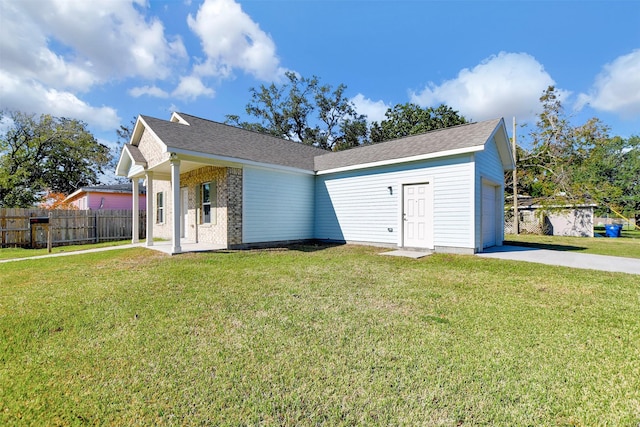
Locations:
(74, 44)
(153, 91)
(617, 88)
(231, 39)
(191, 87)
(32, 97)
(503, 85)
(52, 51)
(374, 110)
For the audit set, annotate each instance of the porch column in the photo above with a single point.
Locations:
(135, 214)
(149, 208)
(175, 201)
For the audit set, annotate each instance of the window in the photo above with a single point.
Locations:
(209, 196)
(159, 208)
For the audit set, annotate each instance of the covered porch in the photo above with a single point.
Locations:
(176, 207)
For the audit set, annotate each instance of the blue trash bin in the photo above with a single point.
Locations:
(612, 230)
(618, 229)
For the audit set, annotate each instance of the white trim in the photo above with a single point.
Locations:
(428, 156)
(135, 218)
(506, 143)
(474, 203)
(72, 195)
(178, 119)
(176, 208)
(150, 211)
(136, 171)
(130, 164)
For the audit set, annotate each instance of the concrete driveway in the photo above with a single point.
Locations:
(564, 258)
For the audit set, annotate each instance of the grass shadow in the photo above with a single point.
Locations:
(313, 246)
(553, 247)
(309, 246)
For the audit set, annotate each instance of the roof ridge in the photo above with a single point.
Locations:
(437, 130)
(402, 138)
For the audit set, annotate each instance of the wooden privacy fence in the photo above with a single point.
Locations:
(19, 229)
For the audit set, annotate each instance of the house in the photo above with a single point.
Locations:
(106, 197)
(214, 183)
(552, 217)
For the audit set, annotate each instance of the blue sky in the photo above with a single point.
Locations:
(106, 61)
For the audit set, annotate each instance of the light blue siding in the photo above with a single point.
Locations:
(276, 205)
(489, 163)
(488, 167)
(358, 206)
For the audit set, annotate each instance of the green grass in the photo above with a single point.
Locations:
(13, 253)
(626, 246)
(315, 336)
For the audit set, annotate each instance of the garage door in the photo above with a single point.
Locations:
(488, 215)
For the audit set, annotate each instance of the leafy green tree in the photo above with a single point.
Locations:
(576, 164)
(611, 174)
(46, 153)
(546, 169)
(628, 177)
(411, 119)
(303, 110)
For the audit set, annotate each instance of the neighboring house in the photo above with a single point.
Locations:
(548, 217)
(106, 197)
(214, 183)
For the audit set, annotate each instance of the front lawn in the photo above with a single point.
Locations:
(315, 336)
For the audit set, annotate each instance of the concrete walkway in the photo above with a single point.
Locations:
(160, 246)
(564, 258)
(407, 254)
(83, 251)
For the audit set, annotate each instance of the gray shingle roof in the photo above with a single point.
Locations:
(136, 154)
(457, 137)
(209, 137)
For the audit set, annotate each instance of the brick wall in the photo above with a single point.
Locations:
(227, 229)
(151, 150)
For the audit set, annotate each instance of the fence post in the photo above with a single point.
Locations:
(31, 237)
(49, 234)
(3, 228)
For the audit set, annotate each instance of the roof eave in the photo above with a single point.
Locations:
(73, 195)
(127, 163)
(503, 145)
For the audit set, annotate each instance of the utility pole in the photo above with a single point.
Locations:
(516, 222)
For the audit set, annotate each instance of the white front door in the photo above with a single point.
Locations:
(417, 216)
(185, 211)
